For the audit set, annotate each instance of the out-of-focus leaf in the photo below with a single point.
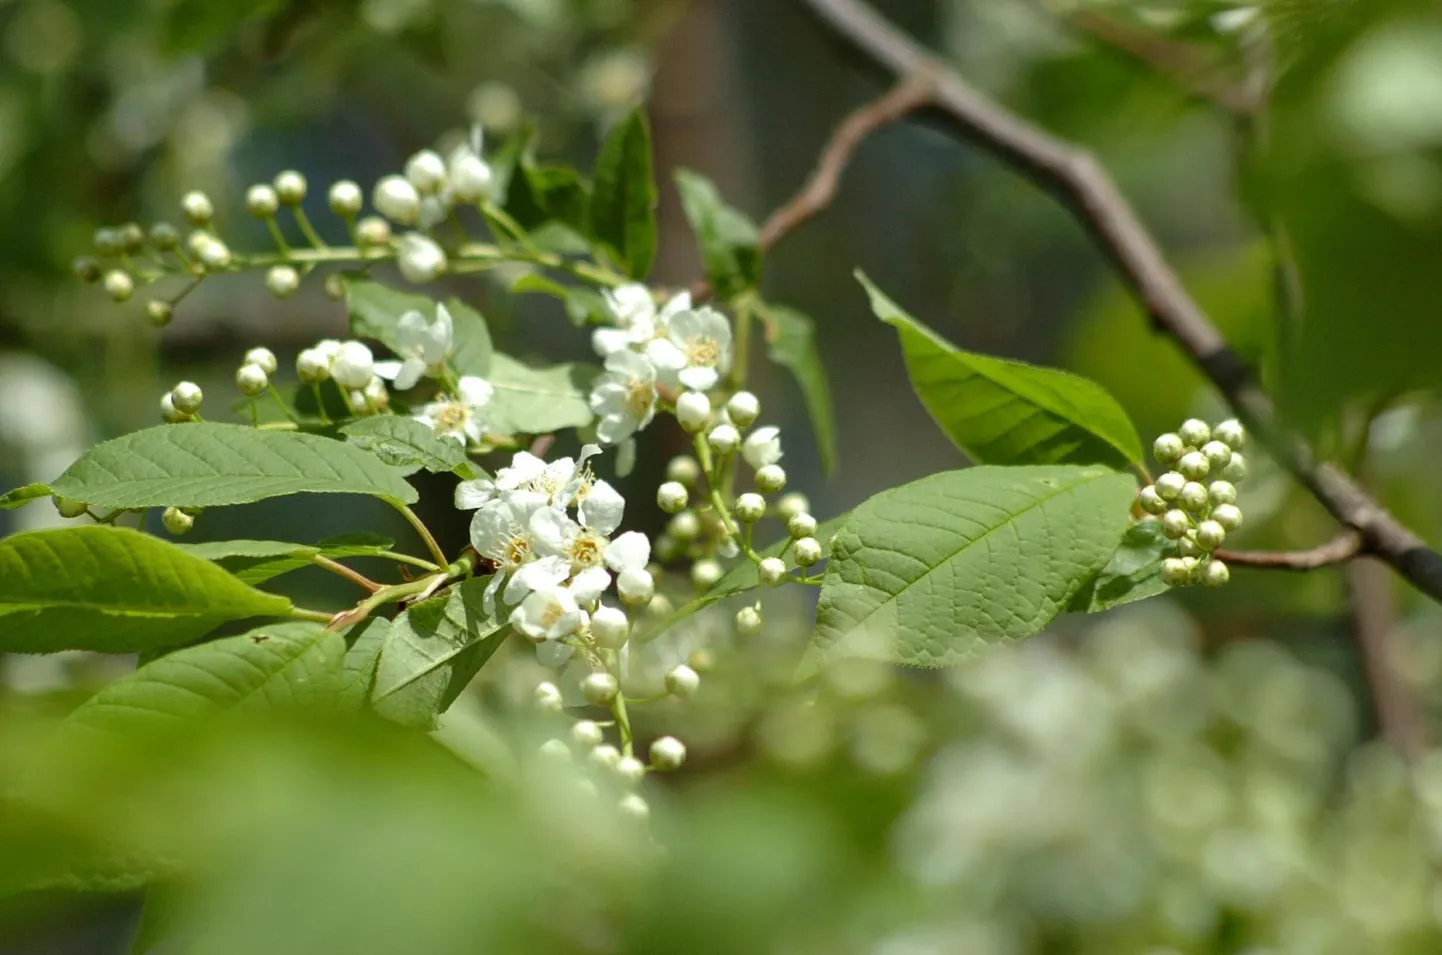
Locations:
(23, 495)
(376, 308)
(726, 237)
(531, 400)
(623, 202)
(791, 343)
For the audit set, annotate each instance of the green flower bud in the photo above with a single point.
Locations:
(1216, 574)
(1168, 449)
(1194, 432)
(1175, 524)
(177, 521)
(1231, 433)
(1229, 516)
(1222, 492)
(1210, 535)
(1169, 486)
(1193, 497)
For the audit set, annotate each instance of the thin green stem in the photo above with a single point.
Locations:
(419, 525)
(339, 569)
(285, 408)
(278, 236)
(320, 402)
(386, 595)
(623, 724)
(298, 613)
(407, 559)
(308, 230)
(254, 412)
(709, 469)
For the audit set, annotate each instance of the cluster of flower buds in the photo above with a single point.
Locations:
(1197, 500)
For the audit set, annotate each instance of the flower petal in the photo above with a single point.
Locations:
(602, 509)
(630, 551)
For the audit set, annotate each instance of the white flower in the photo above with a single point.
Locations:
(420, 259)
(352, 365)
(762, 447)
(424, 346)
(426, 171)
(462, 418)
(624, 397)
(583, 543)
(501, 532)
(548, 614)
(696, 350)
(634, 311)
(397, 200)
(471, 176)
(629, 552)
(557, 483)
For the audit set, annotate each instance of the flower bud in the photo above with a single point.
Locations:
(159, 312)
(1222, 492)
(68, 508)
(420, 259)
(672, 497)
(168, 412)
(743, 408)
(290, 187)
(1193, 497)
(1194, 432)
(684, 526)
(668, 753)
(683, 469)
(1229, 516)
(770, 478)
(548, 698)
(801, 525)
(1231, 433)
(1175, 524)
(588, 733)
(213, 253)
(554, 749)
(263, 357)
(176, 521)
(1151, 501)
(373, 232)
(426, 170)
(1175, 572)
(605, 756)
(119, 285)
(107, 242)
(1168, 449)
(631, 770)
(693, 411)
(600, 687)
(634, 807)
(792, 504)
(806, 551)
(750, 508)
(312, 366)
(1186, 547)
(187, 397)
(635, 586)
(1218, 455)
(261, 201)
(1236, 470)
(471, 177)
(1210, 535)
(748, 621)
(251, 380)
(346, 199)
(1194, 466)
(1169, 486)
(1216, 574)
(353, 366)
(705, 573)
(396, 199)
(682, 681)
(282, 281)
(610, 627)
(164, 237)
(197, 208)
(86, 268)
(772, 570)
(724, 439)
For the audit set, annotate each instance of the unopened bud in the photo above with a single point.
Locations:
(282, 281)
(346, 199)
(682, 681)
(251, 380)
(176, 521)
(668, 753)
(290, 187)
(261, 201)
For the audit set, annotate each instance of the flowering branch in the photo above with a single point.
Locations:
(1086, 187)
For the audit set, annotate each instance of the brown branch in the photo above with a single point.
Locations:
(911, 93)
(1338, 550)
(1081, 183)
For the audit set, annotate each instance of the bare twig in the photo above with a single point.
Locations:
(1400, 719)
(1338, 550)
(1085, 186)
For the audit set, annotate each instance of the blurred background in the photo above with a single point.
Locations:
(1180, 777)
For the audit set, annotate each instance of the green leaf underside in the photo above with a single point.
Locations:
(376, 308)
(255, 562)
(277, 666)
(23, 495)
(623, 201)
(539, 400)
(203, 464)
(1009, 412)
(929, 573)
(405, 443)
(358, 673)
(1134, 572)
(114, 590)
(791, 343)
(432, 652)
(727, 238)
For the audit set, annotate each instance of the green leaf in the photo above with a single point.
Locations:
(433, 651)
(405, 443)
(114, 590)
(623, 203)
(23, 495)
(1009, 412)
(358, 673)
(1134, 572)
(726, 237)
(278, 666)
(931, 572)
(255, 562)
(539, 400)
(207, 465)
(375, 309)
(791, 343)
(542, 194)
